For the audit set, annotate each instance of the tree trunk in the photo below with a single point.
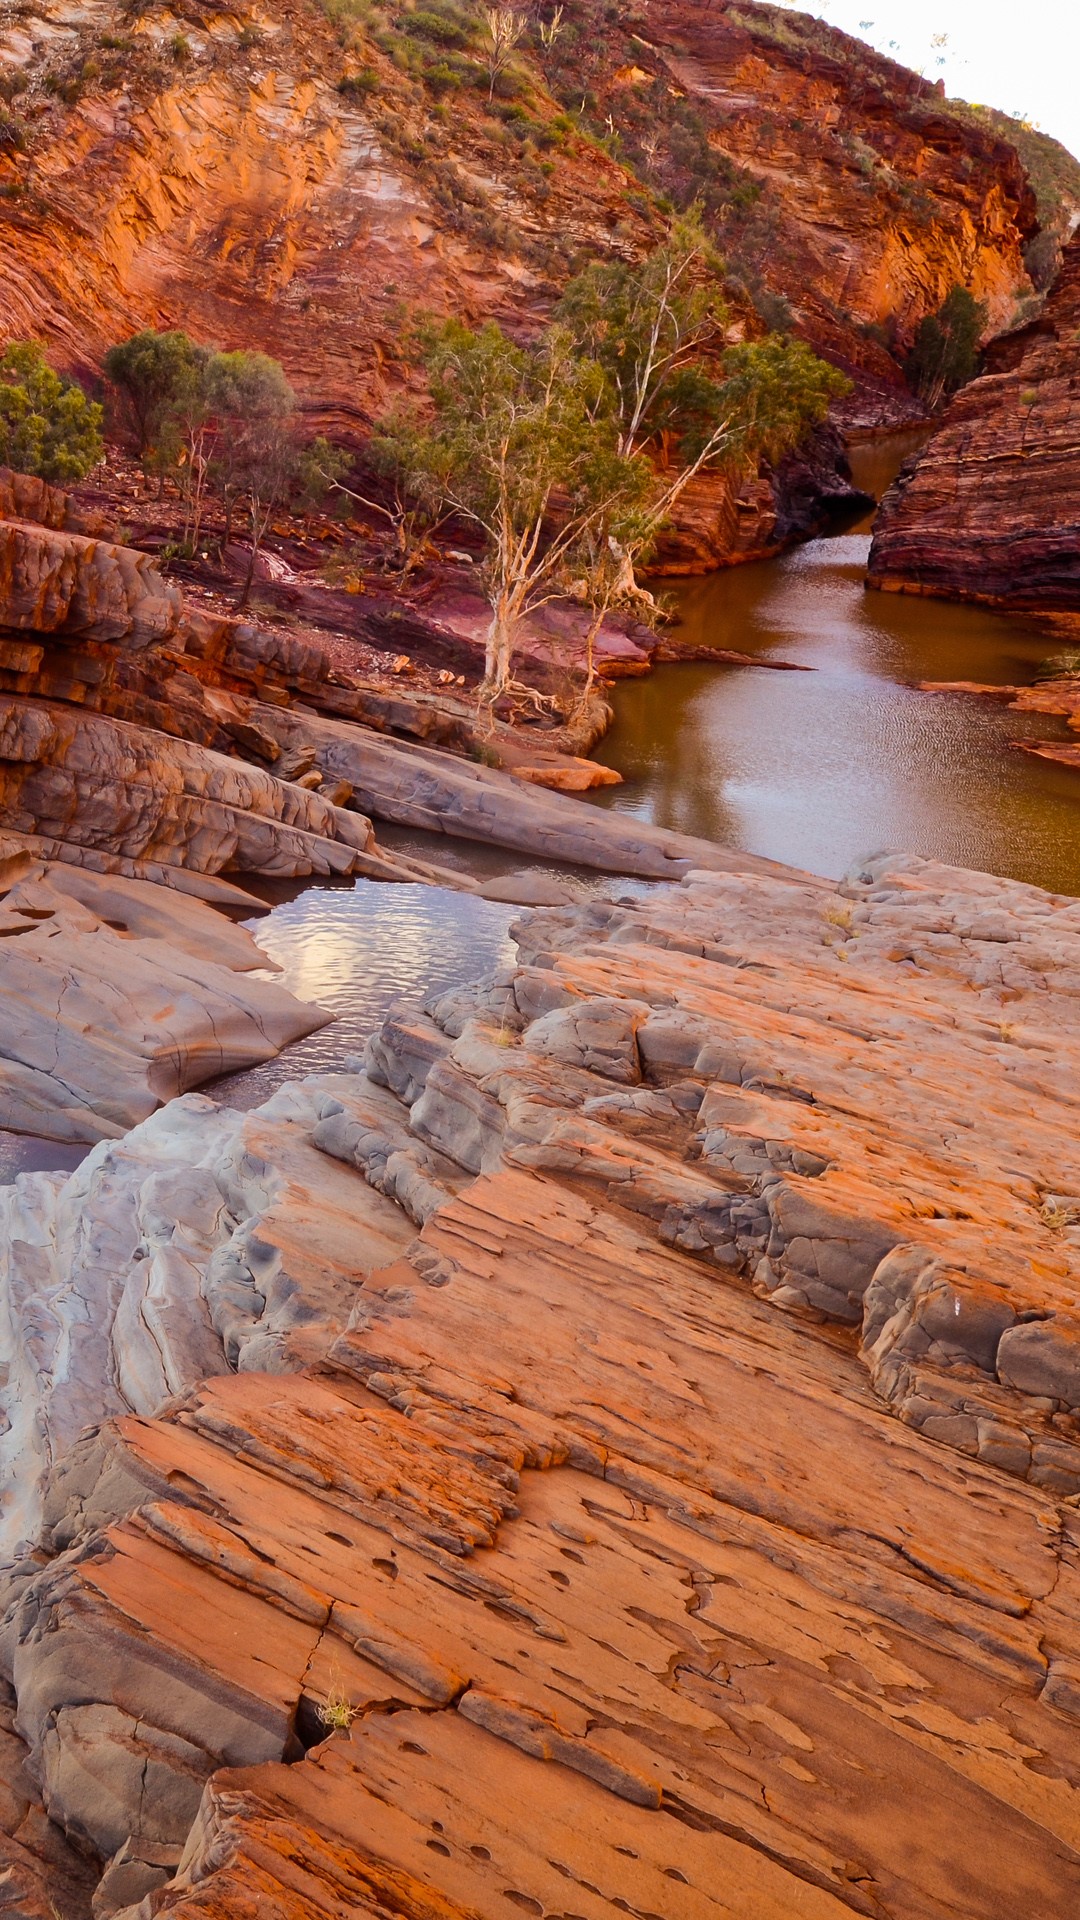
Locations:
(595, 624)
(499, 642)
(259, 521)
(245, 591)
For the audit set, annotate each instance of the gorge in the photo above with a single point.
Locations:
(539, 1236)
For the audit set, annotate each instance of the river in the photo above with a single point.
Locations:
(817, 769)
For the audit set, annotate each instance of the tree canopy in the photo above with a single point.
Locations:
(570, 453)
(658, 328)
(48, 426)
(255, 448)
(513, 430)
(156, 373)
(224, 421)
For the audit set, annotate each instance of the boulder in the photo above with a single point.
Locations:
(77, 588)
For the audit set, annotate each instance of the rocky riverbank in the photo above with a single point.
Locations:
(118, 994)
(648, 1393)
(1057, 693)
(149, 747)
(144, 734)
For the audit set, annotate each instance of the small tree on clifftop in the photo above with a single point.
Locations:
(224, 423)
(503, 29)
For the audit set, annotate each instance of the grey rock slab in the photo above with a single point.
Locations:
(127, 790)
(419, 786)
(1043, 1358)
(99, 1021)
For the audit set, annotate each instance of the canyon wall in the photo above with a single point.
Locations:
(222, 173)
(872, 197)
(990, 509)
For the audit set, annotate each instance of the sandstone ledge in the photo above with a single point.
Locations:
(136, 730)
(524, 1479)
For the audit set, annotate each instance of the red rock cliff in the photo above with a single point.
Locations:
(216, 177)
(861, 197)
(991, 509)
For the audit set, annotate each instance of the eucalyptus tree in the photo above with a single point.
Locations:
(520, 442)
(48, 426)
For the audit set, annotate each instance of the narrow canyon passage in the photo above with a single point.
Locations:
(820, 769)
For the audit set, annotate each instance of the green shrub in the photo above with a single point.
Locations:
(445, 26)
(946, 350)
(441, 77)
(156, 374)
(48, 426)
(12, 132)
(363, 83)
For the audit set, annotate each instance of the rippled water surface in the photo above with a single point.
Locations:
(820, 768)
(355, 950)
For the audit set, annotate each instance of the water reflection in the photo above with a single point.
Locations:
(818, 769)
(355, 951)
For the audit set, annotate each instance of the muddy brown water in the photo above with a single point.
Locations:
(816, 769)
(819, 769)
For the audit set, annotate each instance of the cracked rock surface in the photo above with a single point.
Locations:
(637, 1469)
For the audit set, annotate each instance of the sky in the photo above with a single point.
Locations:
(1020, 55)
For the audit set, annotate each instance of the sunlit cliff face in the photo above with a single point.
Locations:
(213, 175)
(878, 200)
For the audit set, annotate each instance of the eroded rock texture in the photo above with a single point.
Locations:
(117, 995)
(990, 510)
(123, 713)
(118, 755)
(235, 189)
(673, 1511)
(851, 152)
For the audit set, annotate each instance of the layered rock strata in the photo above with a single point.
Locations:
(411, 785)
(123, 713)
(596, 1503)
(94, 627)
(117, 995)
(120, 788)
(242, 178)
(879, 198)
(990, 509)
(236, 189)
